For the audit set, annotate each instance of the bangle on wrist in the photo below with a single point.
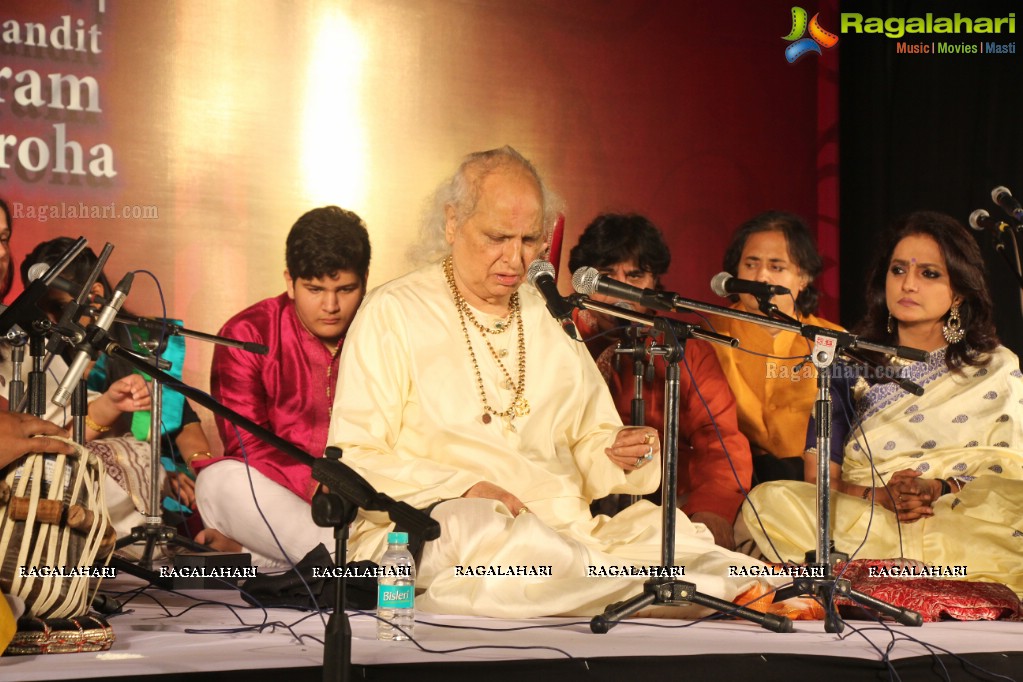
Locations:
(866, 493)
(94, 426)
(959, 484)
(205, 454)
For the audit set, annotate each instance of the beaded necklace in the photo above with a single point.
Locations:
(519, 406)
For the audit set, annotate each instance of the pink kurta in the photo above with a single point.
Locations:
(288, 391)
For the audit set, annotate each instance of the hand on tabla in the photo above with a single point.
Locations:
(16, 436)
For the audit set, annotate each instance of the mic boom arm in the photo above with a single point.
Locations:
(680, 327)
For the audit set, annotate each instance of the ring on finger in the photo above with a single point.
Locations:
(639, 462)
(649, 438)
(649, 454)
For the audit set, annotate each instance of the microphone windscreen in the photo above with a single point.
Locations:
(976, 217)
(584, 280)
(997, 192)
(36, 271)
(537, 268)
(718, 282)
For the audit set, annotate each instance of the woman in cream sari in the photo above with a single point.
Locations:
(946, 485)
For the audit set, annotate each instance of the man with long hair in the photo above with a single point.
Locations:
(714, 467)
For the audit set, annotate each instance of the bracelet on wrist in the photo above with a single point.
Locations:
(94, 426)
(945, 487)
(866, 493)
(205, 454)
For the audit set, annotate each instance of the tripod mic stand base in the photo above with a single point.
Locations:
(670, 592)
(826, 588)
(152, 535)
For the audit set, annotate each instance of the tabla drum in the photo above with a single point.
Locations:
(54, 528)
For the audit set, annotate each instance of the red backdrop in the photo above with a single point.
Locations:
(230, 119)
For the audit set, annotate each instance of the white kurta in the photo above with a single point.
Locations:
(408, 418)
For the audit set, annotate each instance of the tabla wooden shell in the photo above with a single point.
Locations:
(54, 516)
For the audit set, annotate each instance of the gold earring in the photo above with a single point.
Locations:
(953, 330)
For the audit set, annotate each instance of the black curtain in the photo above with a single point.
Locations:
(928, 131)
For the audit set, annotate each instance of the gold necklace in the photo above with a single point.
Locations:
(330, 369)
(519, 406)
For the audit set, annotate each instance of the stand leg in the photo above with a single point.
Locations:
(331, 510)
(663, 590)
(337, 641)
(677, 592)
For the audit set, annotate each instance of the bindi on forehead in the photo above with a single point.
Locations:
(914, 262)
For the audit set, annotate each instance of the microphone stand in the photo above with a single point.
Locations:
(36, 393)
(1013, 267)
(828, 343)
(153, 530)
(16, 390)
(332, 510)
(637, 350)
(664, 590)
(24, 314)
(1016, 268)
(818, 580)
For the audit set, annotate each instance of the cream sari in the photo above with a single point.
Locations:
(968, 425)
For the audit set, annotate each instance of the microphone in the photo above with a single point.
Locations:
(588, 281)
(724, 284)
(541, 276)
(981, 220)
(1003, 197)
(106, 317)
(39, 269)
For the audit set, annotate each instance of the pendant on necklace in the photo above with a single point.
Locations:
(520, 406)
(486, 417)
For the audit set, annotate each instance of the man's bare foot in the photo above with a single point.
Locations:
(213, 538)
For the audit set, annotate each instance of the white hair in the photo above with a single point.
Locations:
(462, 191)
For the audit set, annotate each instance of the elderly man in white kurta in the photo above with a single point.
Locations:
(457, 389)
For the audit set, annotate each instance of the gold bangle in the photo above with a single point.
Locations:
(205, 454)
(94, 426)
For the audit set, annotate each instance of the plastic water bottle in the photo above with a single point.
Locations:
(396, 590)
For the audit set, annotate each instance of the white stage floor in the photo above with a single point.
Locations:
(178, 635)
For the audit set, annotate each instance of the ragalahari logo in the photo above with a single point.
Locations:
(818, 36)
